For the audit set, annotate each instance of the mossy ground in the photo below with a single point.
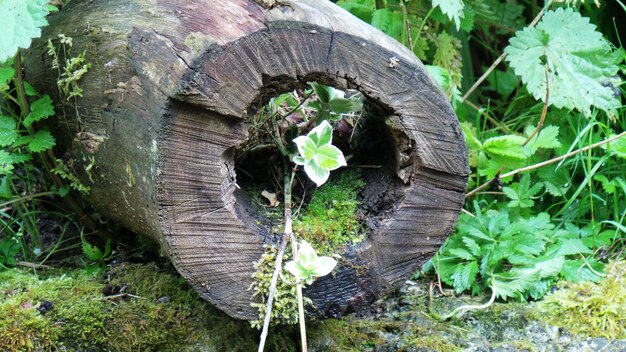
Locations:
(591, 309)
(169, 316)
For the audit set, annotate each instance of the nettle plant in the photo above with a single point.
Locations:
(299, 125)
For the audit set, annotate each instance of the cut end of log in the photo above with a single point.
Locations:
(201, 74)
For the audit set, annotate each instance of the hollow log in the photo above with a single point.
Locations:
(169, 96)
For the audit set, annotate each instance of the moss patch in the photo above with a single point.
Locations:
(168, 314)
(330, 220)
(594, 309)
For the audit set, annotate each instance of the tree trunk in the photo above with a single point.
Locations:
(168, 99)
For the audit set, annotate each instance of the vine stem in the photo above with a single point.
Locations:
(502, 57)
(463, 307)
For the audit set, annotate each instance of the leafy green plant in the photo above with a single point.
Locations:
(317, 153)
(308, 266)
(579, 71)
(97, 258)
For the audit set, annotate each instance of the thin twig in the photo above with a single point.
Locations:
(502, 57)
(278, 263)
(565, 156)
(33, 265)
(544, 112)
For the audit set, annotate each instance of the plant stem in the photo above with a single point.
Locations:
(301, 317)
(278, 263)
(565, 156)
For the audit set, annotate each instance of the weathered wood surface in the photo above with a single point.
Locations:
(171, 87)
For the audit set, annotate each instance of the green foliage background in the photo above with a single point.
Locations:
(558, 92)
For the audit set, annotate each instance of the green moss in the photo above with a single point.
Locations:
(285, 308)
(351, 334)
(82, 318)
(330, 219)
(594, 309)
(431, 343)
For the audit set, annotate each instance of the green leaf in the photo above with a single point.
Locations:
(616, 147)
(8, 130)
(515, 282)
(451, 8)
(362, 9)
(92, 252)
(578, 58)
(390, 22)
(6, 163)
(322, 91)
(5, 188)
(41, 108)
(317, 153)
(506, 146)
(578, 270)
(308, 265)
(608, 186)
(21, 21)
(464, 276)
(30, 91)
(343, 105)
(6, 74)
(545, 139)
(42, 140)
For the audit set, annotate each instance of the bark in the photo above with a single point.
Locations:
(172, 86)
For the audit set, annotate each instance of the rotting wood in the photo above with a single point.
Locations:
(164, 163)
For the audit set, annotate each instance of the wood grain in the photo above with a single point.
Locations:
(194, 74)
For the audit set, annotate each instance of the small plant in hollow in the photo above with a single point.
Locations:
(303, 138)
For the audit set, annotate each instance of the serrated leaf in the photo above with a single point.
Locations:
(8, 130)
(579, 61)
(510, 146)
(472, 245)
(453, 9)
(40, 109)
(21, 21)
(515, 283)
(616, 147)
(607, 186)
(461, 253)
(6, 74)
(92, 252)
(545, 139)
(578, 270)
(464, 276)
(6, 162)
(42, 140)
